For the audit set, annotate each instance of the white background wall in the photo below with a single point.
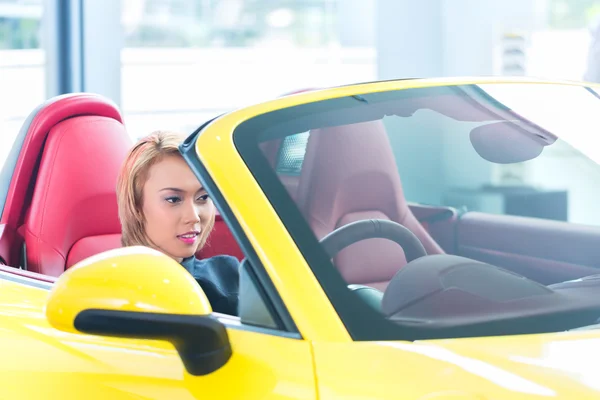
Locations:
(376, 39)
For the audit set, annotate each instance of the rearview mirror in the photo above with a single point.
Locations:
(509, 142)
(137, 292)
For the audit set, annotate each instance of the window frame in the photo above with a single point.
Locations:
(360, 321)
(286, 326)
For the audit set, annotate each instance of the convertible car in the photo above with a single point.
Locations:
(413, 239)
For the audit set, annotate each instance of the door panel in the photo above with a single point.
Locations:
(221, 241)
(544, 250)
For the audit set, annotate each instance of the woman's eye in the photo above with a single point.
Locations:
(173, 199)
(204, 197)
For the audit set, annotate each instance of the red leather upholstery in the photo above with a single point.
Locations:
(31, 139)
(349, 173)
(20, 168)
(220, 241)
(73, 212)
(88, 246)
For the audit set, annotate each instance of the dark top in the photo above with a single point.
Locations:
(219, 278)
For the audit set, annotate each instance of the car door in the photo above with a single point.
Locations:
(42, 362)
(270, 359)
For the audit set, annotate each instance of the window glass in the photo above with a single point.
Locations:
(253, 309)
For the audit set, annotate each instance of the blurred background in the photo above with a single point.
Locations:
(172, 64)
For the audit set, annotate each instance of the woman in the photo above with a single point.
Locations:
(162, 205)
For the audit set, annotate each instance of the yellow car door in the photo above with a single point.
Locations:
(225, 357)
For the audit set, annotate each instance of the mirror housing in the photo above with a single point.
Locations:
(509, 142)
(138, 292)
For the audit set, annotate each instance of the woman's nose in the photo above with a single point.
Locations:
(191, 214)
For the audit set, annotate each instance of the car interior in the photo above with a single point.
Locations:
(441, 229)
(478, 269)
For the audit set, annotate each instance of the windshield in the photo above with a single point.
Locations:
(494, 187)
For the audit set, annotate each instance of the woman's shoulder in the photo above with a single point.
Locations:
(222, 266)
(219, 278)
(221, 260)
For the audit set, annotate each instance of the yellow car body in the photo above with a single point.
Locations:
(42, 359)
(41, 362)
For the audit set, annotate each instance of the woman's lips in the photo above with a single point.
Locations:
(189, 237)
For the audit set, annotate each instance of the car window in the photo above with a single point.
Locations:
(253, 309)
(504, 176)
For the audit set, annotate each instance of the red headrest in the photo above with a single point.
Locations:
(30, 140)
(347, 169)
(74, 196)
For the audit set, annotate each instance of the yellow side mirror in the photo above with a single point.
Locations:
(137, 292)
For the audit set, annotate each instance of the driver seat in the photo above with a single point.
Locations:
(73, 212)
(349, 173)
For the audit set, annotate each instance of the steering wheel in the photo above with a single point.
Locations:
(371, 229)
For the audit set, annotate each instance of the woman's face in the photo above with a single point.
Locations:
(176, 208)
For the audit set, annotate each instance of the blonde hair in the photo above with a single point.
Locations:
(130, 185)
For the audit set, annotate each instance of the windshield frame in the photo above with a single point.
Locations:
(360, 320)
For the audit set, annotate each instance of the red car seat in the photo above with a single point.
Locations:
(73, 212)
(220, 241)
(61, 198)
(349, 173)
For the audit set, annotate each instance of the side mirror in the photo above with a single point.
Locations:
(137, 292)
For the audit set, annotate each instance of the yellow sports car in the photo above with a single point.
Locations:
(424, 239)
